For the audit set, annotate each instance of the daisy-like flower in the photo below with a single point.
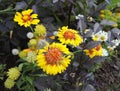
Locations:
(100, 36)
(79, 16)
(26, 18)
(105, 52)
(9, 83)
(116, 42)
(110, 48)
(95, 37)
(13, 73)
(96, 51)
(69, 36)
(103, 36)
(54, 58)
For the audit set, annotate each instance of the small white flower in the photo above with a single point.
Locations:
(103, 36)
(30, 35)
(78, 16)
(100, 36)
(116, 42)
(15, 51)
(90, 19)
(55, 33)
(104, 52)
(110, 48)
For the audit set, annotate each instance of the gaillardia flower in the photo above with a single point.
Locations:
(96, 51)
(69, 36)
(13, 73)
(26, 18)
(54, 58)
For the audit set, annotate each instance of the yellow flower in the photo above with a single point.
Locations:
(99, 50)
(102, 16)
(91, 53)
(115, 25)
(9, 83)
(26, 18)
(54, 58)
(40, 30)
(117, 15)
(102, 11)
(69, 36)
(96, 51)
(95, 37)
(13, 73)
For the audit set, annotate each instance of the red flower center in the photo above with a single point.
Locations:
(69, 35)
(98, 47)
(26, 18)
(53, 56)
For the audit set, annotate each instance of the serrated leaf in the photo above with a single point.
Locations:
(92, 44)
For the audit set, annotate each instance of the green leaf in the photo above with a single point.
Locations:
(29, 79)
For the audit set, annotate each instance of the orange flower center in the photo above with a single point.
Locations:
(53, 56)
(98, 47)
(26, 18)
(69, 35)
(91, 51)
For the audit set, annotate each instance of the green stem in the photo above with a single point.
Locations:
(9, 9)
(31, 29)
(76, 51)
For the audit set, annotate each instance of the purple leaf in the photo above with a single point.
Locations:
(92, 44)
(20, 5)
